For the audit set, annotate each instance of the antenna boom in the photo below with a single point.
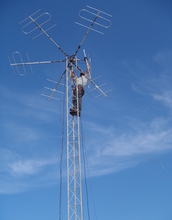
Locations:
(47, 35)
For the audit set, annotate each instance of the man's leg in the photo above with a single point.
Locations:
(74, 100)
(80, 94)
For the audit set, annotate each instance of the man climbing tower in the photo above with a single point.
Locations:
(78, 89)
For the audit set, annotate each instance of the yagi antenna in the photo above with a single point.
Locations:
(40, 19)
(21, 65)
(100, 87)
(105, 93)
(52, 90)
(87, 15)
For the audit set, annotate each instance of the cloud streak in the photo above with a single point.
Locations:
(115, 152)
(30, 167)
(19, 174)
(165, 97)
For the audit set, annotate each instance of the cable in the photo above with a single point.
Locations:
(85, 173)
(61, 156)
(83, 150)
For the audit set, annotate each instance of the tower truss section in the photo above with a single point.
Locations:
(74, 188)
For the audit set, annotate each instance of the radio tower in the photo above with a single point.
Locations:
(74, 187)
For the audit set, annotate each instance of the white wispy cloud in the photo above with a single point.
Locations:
(115, 152)
(20, 174)
(164, 58)
(153, 77)
(165, 97)
(25, 104)
(30, 166)
(24, 116)
(27, 149)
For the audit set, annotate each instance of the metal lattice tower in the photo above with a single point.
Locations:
(74, 189)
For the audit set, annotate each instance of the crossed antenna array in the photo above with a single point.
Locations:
(37, 24)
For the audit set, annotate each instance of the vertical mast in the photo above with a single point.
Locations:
(74, 189)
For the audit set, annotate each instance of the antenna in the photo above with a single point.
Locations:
(86, 15)
(41, 19)
(16, 55)
(74, 91)
(52, 90)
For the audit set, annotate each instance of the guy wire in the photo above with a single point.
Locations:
(83, 150)
(61, 156)
(85, 173)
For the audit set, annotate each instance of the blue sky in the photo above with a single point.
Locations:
(128, 136)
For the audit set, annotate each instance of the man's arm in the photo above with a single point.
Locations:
(88, 68)
(71, 73)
